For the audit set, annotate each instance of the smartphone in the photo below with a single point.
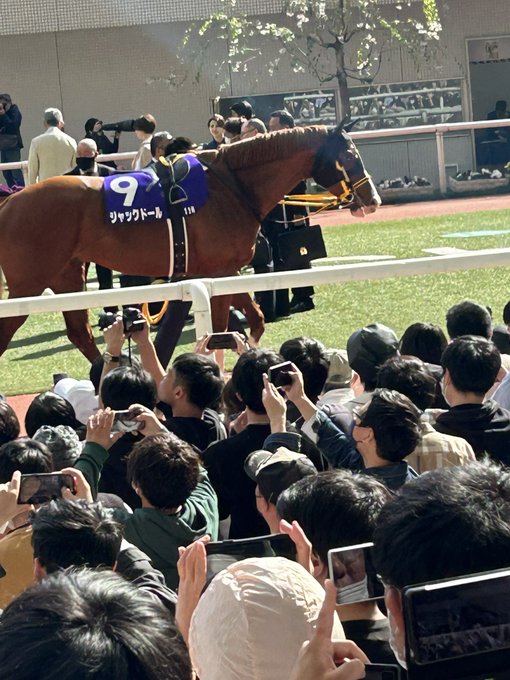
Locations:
(59, 376)
(351, 570)
(41, 488)
(123, 421)
(279, 375)
(382, 671)
(459, 628)
(222, 341)
(221, 554)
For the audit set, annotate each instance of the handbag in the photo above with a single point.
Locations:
(297, 248)
(8, 142)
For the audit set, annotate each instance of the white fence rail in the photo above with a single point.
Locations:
(200, 291)
(439, 130)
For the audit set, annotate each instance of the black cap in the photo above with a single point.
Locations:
(369, 347)
(275, 472)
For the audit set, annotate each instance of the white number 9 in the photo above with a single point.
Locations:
(125, 185)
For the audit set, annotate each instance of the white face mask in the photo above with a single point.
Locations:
(355, 592)
(394, 645)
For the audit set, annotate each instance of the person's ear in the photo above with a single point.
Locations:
(320, 570)
(447, 379)
(39, 571)
(393, 601)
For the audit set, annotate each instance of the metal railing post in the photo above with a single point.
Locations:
(441, 161)
(201, 307)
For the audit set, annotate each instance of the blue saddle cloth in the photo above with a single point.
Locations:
(140, 196)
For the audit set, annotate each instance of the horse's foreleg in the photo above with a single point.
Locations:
(219, 312)
(77, 322)
(253, 314)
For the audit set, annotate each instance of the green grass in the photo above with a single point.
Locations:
(41, 348)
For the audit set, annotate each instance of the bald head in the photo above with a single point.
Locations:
(87, 148)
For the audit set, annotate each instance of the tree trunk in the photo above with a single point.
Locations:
(341, 77)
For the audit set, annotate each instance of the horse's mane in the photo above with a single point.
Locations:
(271, 146)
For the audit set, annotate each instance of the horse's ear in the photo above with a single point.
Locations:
(341, 125)
(351, 125)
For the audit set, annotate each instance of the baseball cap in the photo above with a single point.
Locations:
(369, 347)
(275, 472)
(339, 371)
(80, 394)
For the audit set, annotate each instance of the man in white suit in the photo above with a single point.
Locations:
(52, 153)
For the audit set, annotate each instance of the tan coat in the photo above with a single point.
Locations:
(143, 156)
(16, 557)
(52, 153)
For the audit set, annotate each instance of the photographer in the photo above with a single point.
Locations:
(94, 130)
(10, 139)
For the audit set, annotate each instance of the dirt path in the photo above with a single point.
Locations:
(405, 211)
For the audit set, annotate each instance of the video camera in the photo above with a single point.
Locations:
(459, 629)
(132, 319)
(121, 126)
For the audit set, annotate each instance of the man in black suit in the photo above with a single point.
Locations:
(86, 164)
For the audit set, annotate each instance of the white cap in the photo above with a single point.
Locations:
(253, 618)
(80, 394)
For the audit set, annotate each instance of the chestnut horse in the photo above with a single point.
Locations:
(49, 230)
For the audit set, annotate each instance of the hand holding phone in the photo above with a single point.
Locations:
(41, 488)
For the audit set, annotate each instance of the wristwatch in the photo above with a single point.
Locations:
(108, 358)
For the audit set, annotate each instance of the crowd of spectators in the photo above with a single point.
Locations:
(403, 443)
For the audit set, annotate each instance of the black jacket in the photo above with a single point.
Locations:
(10, 123)
(485, 426)
(102, 171)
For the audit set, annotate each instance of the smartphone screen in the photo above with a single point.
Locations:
(279, 375)
(351, 570)
(41, 488)
(221, 554)
(458, 618)
(123, 421)
(222, 341)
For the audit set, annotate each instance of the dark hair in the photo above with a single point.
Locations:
(165, 468)
(233, 125)
(425, 341)
(179, 145)
(27, 456)
(410, 377)
(468, 318)
(311, 358)
(335, 509)
(247, 376)
(128, 385)
(447, 523)
(49, 409)
(473, 363)
(284, 117)
(9, 423)
(96, 368)
(92, 626)
(220, 121)
(506, 313)
(75, 533)
(395, 421)
(160, 139)
(200, 377)
(146, 123)
(89, 125)
(243, 108)
(501, 105)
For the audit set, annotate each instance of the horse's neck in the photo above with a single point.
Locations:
(267, 183)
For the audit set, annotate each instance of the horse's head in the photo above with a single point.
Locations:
(338, 167)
